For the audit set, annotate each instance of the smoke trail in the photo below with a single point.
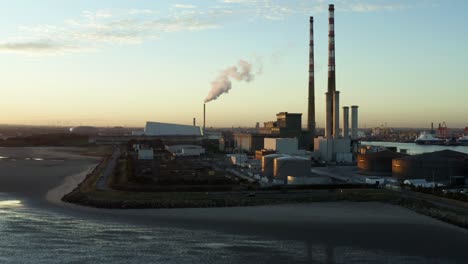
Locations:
(222, 84)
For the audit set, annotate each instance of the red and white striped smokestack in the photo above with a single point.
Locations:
(311, 105)
(331, 50)
(330, 105)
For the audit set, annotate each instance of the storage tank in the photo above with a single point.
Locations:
(267, 164)
(377, 163)
(438, 166)
(291, 166)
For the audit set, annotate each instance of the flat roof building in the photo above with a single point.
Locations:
(167, 129)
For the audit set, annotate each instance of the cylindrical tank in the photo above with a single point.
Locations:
(291, 166)
(354, 122)
(267, 164)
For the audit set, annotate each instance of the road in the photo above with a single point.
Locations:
(102, 182)
(458, 206)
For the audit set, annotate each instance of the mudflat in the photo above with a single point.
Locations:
(33, 171)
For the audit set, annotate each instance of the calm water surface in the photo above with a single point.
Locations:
(414, 149)
(38, 235)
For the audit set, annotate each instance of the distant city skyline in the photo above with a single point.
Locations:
(122, 63)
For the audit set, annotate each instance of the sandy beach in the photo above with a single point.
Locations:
(371, 226)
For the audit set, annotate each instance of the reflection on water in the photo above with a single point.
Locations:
(33, 159)
(414, 149)
(9, 203)
(30, 235)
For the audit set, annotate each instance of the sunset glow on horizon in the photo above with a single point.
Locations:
(122, 63)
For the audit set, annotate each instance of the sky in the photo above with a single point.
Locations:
(125, 62)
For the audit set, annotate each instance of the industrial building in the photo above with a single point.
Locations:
(437, 166)
(167, 129)
(185, 150)
(337, 150)
(155, 131)
(377, 163)
(249, 142)
(282, 145)
(286, 125)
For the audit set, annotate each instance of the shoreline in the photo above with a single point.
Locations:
(69, 183)
(56, 183)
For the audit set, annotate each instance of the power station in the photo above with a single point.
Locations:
(334, 146)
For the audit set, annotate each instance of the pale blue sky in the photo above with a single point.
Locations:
(111, 62)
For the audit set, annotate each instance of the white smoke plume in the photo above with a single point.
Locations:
(222, 84)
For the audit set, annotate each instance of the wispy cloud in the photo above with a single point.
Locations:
(135, 11)
(185, 6)
(104, 27)
(36, 47)
(278, 10)
(133, 26)
(374, 7)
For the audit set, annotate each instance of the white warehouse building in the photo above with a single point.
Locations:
(185, 150)
(282, 145)
(166, 129)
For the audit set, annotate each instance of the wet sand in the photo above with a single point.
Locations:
(369, 226)
(32, 172)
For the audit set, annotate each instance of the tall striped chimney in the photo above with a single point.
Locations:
(311, 105)
(330, 120)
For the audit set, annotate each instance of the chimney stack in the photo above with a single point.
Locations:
(345, 121)
(194, 121)
(204, 118)
(336, 114)
(311, 105)
(354, 122)
(331, 107)
(329, 115)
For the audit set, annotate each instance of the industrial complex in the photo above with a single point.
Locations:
(279, 152)
(283, 152)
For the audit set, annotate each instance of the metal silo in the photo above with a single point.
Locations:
(291, 166)
(267, 164)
